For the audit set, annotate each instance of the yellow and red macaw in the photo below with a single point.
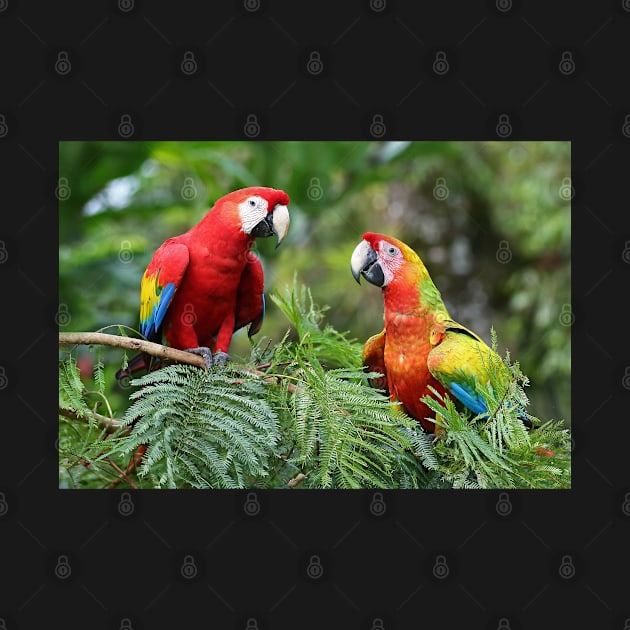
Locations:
(420, 345)
(205, 284)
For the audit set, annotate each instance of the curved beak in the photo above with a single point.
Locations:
(364, 262)
(276, 222)
(280, 222)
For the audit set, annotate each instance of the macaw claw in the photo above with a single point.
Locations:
(203, 352)
(220, 358)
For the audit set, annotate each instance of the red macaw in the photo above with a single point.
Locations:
(420, 345)
(203, 285)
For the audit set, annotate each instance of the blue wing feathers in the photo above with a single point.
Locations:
(152, 325)
(473, 401)
(165, 300)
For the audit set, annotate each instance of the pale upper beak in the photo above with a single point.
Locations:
(364, 262)
(276, 222)
(280, 222)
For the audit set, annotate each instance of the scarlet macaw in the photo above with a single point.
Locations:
(420, 345)
(203, 285)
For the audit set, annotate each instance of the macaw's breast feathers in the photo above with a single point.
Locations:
(250, 304)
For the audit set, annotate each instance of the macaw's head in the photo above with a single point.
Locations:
(261, 211)
(382, 259)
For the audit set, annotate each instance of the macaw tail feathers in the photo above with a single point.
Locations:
(142, 361)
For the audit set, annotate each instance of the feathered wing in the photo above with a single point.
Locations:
(460, 360)
(160, 281)
(374, 360)
(250, 301)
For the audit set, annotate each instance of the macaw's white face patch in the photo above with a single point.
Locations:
(252, 211)
(390, 258)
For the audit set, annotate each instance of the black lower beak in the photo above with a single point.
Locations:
(373, 273)
(276, 222)
(364, 262)
(264, 228)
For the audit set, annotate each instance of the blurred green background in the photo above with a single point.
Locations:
(491, 221)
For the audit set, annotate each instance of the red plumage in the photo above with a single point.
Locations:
(204, 284)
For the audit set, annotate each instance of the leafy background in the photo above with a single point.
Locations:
(490, 219)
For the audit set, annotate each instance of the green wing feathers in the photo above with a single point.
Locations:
(461, 361)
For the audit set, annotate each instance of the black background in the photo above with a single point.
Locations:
(506, 569)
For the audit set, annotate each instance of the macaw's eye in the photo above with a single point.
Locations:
(392, 251)
(252, 203)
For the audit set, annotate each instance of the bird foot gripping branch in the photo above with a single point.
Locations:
(220, 358)
(202, 286)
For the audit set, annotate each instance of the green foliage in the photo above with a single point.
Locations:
(74, 395)
(80, 443)
(302, 413)
(204, 428)
(72, 391)
(331, 347)
(496, 450)
(80, 464)
(340, 432)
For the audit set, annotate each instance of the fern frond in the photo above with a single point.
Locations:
(71, 388)
(333, 348)
(205, 429)
(99, 371)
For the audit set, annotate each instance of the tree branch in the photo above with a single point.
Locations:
(129, 343)
(154, 349)
(121, 475)
(104, 422)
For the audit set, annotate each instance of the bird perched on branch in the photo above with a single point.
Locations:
(205, 284)
(420, 345)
